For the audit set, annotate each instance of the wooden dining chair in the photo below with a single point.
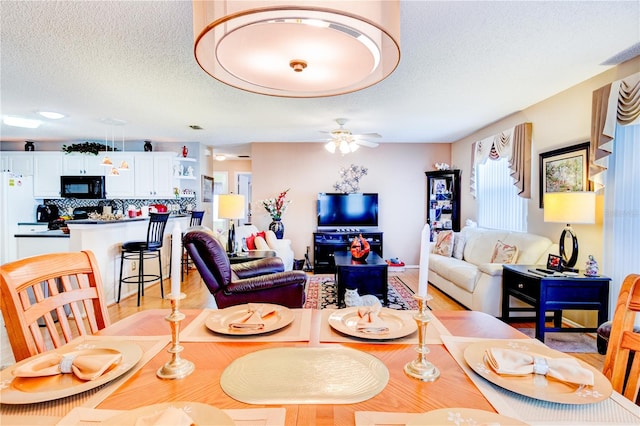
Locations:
(622, 362)
(50, 299)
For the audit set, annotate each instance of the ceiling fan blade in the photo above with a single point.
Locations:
(367, 135)
(368, 144)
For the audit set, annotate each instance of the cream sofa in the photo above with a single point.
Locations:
(269, 242)
(472, 280)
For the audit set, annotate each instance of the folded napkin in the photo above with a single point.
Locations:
(370, 321)
(170, 416)
(84, 365)
(254, 318)
(512, 362)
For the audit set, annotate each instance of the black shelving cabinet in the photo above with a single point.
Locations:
(325, 243)
(443, 198)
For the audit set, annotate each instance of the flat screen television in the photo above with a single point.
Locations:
(347, 210)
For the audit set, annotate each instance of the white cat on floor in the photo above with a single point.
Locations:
(352, 298)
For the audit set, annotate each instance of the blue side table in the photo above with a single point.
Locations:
(553, 293)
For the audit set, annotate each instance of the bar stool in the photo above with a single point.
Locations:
(141, 250)
(196, 220)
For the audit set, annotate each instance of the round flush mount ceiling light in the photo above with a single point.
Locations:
(298, 49)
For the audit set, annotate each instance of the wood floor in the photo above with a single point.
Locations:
(198, 297)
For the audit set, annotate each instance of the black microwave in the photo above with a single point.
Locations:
(87, 187)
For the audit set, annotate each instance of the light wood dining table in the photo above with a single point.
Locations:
(402, 393)
(401, 400)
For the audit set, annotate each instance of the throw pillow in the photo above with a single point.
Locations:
(251, 243)
(261, 234)
(504, 253)
(444, 243)
(459, 241)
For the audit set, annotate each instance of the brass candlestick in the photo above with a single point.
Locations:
(420, 368)
(177, 368)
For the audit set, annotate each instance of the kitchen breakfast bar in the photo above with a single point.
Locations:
(104, 238)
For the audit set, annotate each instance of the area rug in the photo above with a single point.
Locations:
(321, 293)
(566, 342)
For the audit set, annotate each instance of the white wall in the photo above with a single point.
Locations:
(395, 172)
(559, 121)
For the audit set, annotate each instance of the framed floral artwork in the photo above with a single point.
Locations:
(564, 169)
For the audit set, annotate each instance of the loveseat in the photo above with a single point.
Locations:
(265, 240)
(467, 265)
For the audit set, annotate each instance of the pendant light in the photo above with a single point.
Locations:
(124, 166)
(106, 161)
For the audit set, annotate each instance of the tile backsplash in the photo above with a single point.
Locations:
(66, 205)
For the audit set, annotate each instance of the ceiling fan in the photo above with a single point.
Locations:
(343, 140)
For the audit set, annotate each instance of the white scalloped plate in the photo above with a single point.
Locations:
(19, 390)
(219, 321)
(535, 385)
(346, 320)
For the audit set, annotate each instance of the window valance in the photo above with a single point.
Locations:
(513, 144)
(618, 102)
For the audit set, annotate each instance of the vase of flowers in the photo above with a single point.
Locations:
(276, 208)
(277, 227)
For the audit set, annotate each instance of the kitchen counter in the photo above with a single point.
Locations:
(123, 220)
(105, 238)
(43, 234)
(60, 234)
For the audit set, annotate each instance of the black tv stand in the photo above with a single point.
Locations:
(326, 242)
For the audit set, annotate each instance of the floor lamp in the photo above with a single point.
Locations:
(569, 207)
(231, 206)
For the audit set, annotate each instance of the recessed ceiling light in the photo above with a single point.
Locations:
(51, 115)
(21, 122)
(220, 157)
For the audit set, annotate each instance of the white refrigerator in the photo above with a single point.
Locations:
(18, 205)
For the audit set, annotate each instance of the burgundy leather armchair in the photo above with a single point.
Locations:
(256, 281)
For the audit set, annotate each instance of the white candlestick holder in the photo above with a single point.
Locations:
(176, 368)
(420, 368)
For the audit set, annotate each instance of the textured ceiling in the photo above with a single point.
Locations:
(463, 65)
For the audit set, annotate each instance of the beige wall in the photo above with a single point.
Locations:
(559, 121)
(395, 171)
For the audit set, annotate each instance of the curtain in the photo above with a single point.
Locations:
(513, 144)
(499, 206)
(621, 227)
(615, 103)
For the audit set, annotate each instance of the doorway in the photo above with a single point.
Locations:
(243, 180)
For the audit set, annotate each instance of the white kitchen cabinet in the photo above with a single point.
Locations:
(33, 228)
(47, 169)
(84, 164)
(154, 175)
(122, 185)
(17, 162)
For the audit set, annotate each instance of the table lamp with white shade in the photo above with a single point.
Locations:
(231, 206)
(570, 207)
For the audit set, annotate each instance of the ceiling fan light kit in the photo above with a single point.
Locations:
(344, 141)
(288, 49)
